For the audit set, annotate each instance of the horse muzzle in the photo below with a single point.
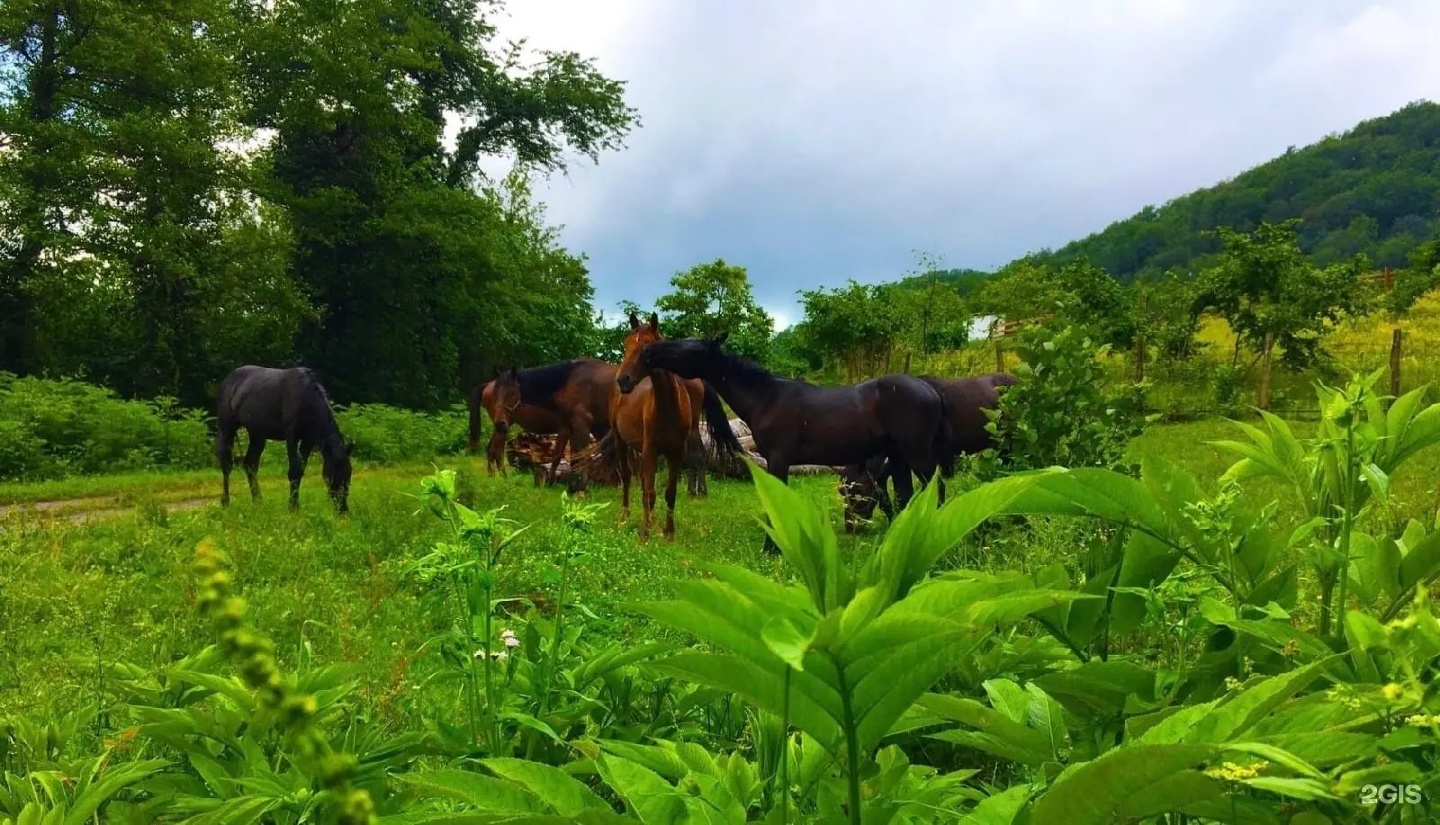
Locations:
(625, 383)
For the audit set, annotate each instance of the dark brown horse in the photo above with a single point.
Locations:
(862, 485)
(576, 392)
(795, 422)
(286, 405)
(658, 413)
(532, 419)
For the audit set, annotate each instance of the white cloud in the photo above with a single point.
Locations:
(817, 140)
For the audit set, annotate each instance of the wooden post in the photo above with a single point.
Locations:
(1265, 364)
(998, 336)
(1140, 344)
(1395, 362)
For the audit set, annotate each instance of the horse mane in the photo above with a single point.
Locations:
(745, 371)
(546, 380)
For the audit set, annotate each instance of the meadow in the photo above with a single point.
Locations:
(102, 621)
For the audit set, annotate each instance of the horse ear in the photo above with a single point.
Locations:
(719, 340)
(634, 322)
(654, 322)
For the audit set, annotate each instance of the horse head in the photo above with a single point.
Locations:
(507, 398)
(631, 373)
(686, 357)
(336, 469)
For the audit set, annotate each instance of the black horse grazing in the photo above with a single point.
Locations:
(862, 484)
(793, 422)
(281, 405)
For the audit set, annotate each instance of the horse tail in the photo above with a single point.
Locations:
(718, 423)
(602, 458)
(473, 399)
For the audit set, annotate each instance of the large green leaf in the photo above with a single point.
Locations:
(565, 794)
(988, 730)
(806, 539)
(1115, 786)
(485, 793)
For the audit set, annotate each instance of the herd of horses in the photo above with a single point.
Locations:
(886, 430)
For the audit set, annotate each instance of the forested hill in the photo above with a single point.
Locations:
(1374, 189)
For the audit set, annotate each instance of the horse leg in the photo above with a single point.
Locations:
(622, 460)
(251, 464)
(297, 470)
(904, 484)
(697, 473)
(648, 462)
(225, 452)
(562, 440)
(675, 462)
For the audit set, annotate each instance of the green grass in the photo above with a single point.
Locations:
(332, 590)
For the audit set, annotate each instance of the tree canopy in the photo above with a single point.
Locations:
(191, 185)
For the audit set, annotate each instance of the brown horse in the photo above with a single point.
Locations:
(658, 413)
(576, 392)
(532, 419)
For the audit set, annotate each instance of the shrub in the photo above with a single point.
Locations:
(1062, 413)
(54, 428)
(389, 434)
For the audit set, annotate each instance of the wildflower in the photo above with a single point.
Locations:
(499, 655)
(1291, 649)
(1233, 772)
(1392, 691)
(1231, 683)
(509, 638)
(1421, 720)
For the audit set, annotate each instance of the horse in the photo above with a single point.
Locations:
(576, 392)
(532, 419)
(659, 414)
(862, 485)
(795, 422)
(287, 405)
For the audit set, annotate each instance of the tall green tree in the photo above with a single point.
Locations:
(710, 298)
(417, 273)
(1272, 294)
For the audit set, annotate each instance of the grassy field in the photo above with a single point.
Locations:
(334, 589)
(94, 610)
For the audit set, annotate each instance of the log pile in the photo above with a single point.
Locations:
(736, 469)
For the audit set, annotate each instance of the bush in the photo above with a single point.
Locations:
(1062, 413)
(53, 429)
(389, 434)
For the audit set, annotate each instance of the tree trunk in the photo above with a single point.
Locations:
(1266, 362)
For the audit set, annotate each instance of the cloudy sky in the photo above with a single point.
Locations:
(813, 141)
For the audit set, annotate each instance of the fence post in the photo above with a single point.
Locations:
(999, 337)
(1265, 365)
(1140, 344)
(1395, 362)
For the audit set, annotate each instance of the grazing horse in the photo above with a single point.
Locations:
(576, 392)
(795, 422)
(659, 413)
(286, 405)
(862, 485)
(532, 419)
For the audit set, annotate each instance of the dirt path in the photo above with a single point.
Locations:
(91, 508)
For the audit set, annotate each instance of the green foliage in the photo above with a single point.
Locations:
(1160, 661)
(52, 429)
(1073, 293)
(711, 298)
(1062, 413)
(144, 250)
(1270, 293)
(1369, 191)
(389, 435)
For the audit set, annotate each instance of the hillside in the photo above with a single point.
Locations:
(1374, 189)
